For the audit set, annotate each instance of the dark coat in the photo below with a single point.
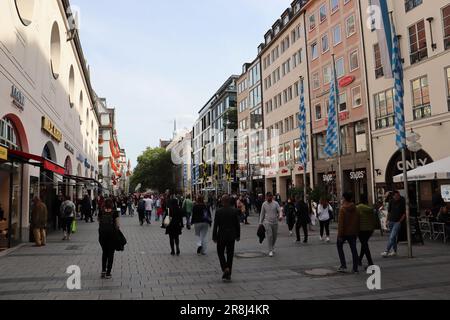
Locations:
(86, 206)
(261, 233)
(227, 225)
(303, 213)
(197, 214)
(176, 224)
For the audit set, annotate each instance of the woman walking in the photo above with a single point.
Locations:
(325, 215)
(202, 220)
(290, 211)
(175, 226)
(108, 220)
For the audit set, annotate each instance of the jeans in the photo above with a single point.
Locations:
(40, 236)
(148, 216)
(304, 226)
(130, 210)
(226, 263)
(201, 231)
(67, 225)
(393, 237)
(364, 237)
(188, 219)
(325, 226)
(272, 235)
(340, 246)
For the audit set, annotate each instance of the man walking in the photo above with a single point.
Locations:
(148, 209)
(68, 212)
(270, 217)
(348, 230)
(303, 220)
(39, 217)
(367, 227)
(141, 210)
(227, 230)
(396, 216)
(187, 208)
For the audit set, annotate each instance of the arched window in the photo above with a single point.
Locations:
(8, 135)
(25, 10)
(55, 50)
(71, 86)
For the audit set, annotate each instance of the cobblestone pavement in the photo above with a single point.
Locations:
(147, 271)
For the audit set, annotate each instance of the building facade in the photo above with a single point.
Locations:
(48, 118)
(424, 27)
(284, 68)
(334, 33)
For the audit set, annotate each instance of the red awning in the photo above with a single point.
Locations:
(46, 164)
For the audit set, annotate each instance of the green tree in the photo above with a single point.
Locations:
(154, 171)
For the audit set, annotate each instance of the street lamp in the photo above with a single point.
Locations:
(415, 147)
(291, 167)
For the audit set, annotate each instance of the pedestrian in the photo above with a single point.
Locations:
(303, 220)
(141, 210)
(240, 204)
(366, 230)
(202, 220)
(187, 208)
(108, 220)
(94, 207)
(348, 231)
(259, 203)
(278, 199)
(437, 204)
(2, 213)
(175, 227)
(270, 216)
(68, 211)
(226, 231)
(59, 200)
(291, 211)
(86, 208)
(325, 215)
(123, 205)
(39, 216)
(148, 209)
(444, 217)
(396, 216)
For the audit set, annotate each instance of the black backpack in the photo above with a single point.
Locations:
(107, 222)
(68, 211)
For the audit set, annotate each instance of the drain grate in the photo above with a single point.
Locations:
(250, 255)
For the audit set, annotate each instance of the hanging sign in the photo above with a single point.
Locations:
(3, 153)
(445, 190)
(357, 175)
(346, 81)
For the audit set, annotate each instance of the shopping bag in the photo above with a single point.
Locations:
(167, 221)
(73, 226)
(313, 219)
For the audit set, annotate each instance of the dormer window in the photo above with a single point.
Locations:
(277, 29)
(286, 20)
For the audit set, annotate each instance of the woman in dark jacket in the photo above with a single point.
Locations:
(108, 220)
(290, 211)
(175, 227)
(202, 221)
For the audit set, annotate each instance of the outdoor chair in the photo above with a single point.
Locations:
(425, 227)
(439, 231)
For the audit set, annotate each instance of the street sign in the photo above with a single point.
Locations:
(445, 190)
(3, 153)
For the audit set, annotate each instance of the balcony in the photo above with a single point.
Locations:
(385, 122)
(423, 111)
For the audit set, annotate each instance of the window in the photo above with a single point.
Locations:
(447, 71)
(343, 102)
(378, 64)
(318, 110)
(411, 4)
(315, 81)
(25, 10)
(327, 74)
(320, 145)
(384, 109)
(334, 4)
(417, 42)
(350, 26)
(356, 97)
(446, 22)
(337, 35)
(8, 135)
(421, 98)
(312, 22)
(340, 68)
(256, 119)
(360, 137)
(323, 13)
(55, 50)
(281, 155)
(325, 45)
(346, 143)
(314, 51)
(255, 97)
(286, 125)
(354, 61)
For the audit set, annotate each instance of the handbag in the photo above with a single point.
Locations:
(121, 241)
(73, 226)
(167, 221)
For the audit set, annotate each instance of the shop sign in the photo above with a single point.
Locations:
(69, 148)
(80, 158)
(445, 190)
(327, 178)
(346, 81)
(18, 98)
(87, 164)
(49, 166)
(51, 129)
(357, 175)
(3, 153)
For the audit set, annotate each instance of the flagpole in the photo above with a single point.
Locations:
(398, 69)
(305, 187)
(341, 182)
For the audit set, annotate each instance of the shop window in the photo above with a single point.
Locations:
(25, 10)
(360, 137)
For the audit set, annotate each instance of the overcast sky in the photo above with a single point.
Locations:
(160, 60)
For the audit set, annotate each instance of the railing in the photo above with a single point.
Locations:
(423, 111)
(385, 122)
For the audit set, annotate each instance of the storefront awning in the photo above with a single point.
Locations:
(20, 156)
(439, 170)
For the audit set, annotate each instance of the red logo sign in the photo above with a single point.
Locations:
(54, 168)
(345, 81)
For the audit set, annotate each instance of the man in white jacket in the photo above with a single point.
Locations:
(271, 215)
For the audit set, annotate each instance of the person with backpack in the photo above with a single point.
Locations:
(187, 208)
(325, 215)
(202, 220)
(108, 220)
(141, 210)
(67, 210)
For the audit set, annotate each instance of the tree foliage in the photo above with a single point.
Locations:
(154, 171)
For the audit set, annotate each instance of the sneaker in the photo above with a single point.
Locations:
(199, 250)
(320, 238)
(385, 254)
(393, 254)
(172, 253)
(355, 272)
(103, 276)
(271, 254)
(108, 276)
(328, 240)
(305, 242)
(291, 234)
(178, 252)
(342, 270)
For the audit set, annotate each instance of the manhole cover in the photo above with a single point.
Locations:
(250, 255)
(320, 272)
(73, 248)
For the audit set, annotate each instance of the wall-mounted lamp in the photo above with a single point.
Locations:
(433, 44)
(437, 124)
